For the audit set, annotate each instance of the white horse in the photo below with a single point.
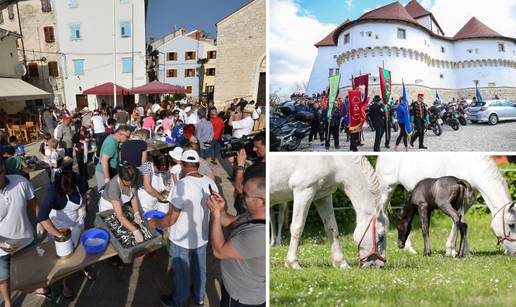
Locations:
(480, 171)
(306, 179)
(277, 225)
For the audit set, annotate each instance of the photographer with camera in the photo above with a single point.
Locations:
(245, 125)
(243, 174)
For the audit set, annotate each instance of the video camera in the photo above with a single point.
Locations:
(231, 147)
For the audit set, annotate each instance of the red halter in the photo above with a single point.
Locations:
(373, 251)
(504, 234)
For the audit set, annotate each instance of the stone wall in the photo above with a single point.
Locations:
(240, 51)
(445, 94)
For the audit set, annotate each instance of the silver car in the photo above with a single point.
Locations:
(492, 111)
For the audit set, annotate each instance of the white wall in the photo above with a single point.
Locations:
(96, 46)
(181, 45)
(363, 54)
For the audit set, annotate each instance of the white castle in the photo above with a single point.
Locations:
(409, 42)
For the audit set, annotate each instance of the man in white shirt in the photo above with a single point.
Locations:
(99, 128)
(16, 232)
(245, 125)
(188, 219)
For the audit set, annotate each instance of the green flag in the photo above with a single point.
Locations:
(334, 88)
(385, 84)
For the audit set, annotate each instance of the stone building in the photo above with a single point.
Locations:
(241, 55)
(37, 46)
(408, 41)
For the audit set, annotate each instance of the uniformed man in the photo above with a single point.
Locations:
(419, 113)
(377, 114)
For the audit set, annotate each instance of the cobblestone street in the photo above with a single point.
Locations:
(472, 137)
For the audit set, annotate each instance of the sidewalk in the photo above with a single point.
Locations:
(138, 284)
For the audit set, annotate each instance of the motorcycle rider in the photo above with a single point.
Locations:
(419, 114)
(316, 124)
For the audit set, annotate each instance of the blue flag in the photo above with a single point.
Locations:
(437, 97)
(479, 97)
(406, 116)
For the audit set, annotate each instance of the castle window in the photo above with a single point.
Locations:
(346, 38)
(369, 34)
(337, 71)
(442, 49)
(334, 56)
(492, 84)
(402, 33)
(470, 50)
(331, 72)
(441, 76)
(501, 47)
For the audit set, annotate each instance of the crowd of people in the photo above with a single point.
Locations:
(381, 117)
(178, 181)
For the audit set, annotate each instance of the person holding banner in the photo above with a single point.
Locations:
(332, 123)
(420, 114)
(377, 114)
(356, 117)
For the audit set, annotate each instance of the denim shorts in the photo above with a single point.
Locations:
(5, 266)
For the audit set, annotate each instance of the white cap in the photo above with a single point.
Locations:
(190, 156)
(187, 109)
(176, 153)
(184, 101)
(155, 108)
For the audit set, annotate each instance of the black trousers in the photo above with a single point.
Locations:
(402, 135)
(379, 130)
(314, 131)
(332, 131)
(388, 134)
(419, 125)
(353, 145)
(227, 301)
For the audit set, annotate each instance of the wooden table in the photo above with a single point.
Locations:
(159, 145)
(29, 271)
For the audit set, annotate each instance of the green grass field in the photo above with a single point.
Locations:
(486, 278)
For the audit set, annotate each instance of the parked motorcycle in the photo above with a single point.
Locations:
(288, 129)
(450, 118)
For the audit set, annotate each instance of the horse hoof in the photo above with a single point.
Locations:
(410, 250)
(292, 265)
(343, 265)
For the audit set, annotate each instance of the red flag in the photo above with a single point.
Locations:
(356, 111)
(362, 80)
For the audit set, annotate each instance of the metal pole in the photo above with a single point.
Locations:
(114, 53)
(21, 33)
(132, 45)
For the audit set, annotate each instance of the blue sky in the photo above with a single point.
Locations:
(332, 11)
(164, 15)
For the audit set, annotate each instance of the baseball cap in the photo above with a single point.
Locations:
(176, 153)
(190, 156)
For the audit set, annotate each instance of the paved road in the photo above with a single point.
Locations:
(472, 137)
(138, 284)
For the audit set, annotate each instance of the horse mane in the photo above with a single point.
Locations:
(373, 184)
(491, 172)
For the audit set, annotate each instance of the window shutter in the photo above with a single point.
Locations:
(46, 6)
(49, 34)
(52, 69)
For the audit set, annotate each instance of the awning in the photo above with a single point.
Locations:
(156, 87)
(15, 89)
(107, 89)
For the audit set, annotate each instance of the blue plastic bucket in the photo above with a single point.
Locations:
(154, 214)
(95, 240)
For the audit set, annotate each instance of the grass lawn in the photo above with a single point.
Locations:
(486, 278)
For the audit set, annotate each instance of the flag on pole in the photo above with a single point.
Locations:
(361, 80)
(406, 116)
(356, 111)
(479, 97)
(334, 88)
(437, 97)
(385, 84)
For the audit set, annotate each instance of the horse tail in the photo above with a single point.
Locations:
(464, 184)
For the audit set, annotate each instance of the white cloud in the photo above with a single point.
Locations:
(349, 3)
(499, 15)
(426, 3)
(370, 9)
(291, 39)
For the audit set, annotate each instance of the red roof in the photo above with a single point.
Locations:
(156, 87)
(393, 11)
(329, 39)
(415, 9)
(474, 28)
(107, 89)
